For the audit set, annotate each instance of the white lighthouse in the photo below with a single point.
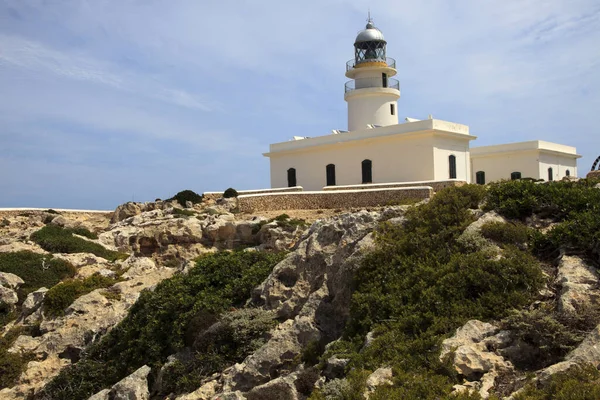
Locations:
(372, 93)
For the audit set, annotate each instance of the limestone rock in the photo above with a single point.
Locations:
(206, 391)
(593, 175)
(381, 376)
(579, 285)
(10, 281)
(33, 379)
(33, 301)
(133, 387)
(24, 344)
(79, 260)
(335, 367)
(473, 331)
(474, 360)
(310, 291)
(125, 211)
(277, 389)
(8, 296)
(15, 246)
(101, 395)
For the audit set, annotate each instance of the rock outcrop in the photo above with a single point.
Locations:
(133, 387)
(579, 286)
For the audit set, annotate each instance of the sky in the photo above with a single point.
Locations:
(108, 101)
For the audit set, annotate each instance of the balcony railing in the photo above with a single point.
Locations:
(366, 83)
(352, 63)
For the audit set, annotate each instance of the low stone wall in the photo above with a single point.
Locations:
(436, 185)
(331, 199)
(218, 195)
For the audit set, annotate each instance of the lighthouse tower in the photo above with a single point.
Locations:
(371, 94)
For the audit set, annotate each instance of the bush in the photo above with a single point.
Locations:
(580, 382)
(180, 213)
(11, 365)
(56, 239)
(418, 286)
(516, 234)
(37, 270)
(187, 195)
(546, 340)
(169, 319)
(305, 383)
(65, 293)
(229, 193)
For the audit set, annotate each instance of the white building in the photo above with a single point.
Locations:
(377, 149)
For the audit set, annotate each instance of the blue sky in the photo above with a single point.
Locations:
(107, 101)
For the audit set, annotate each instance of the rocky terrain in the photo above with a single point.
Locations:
(314, 328)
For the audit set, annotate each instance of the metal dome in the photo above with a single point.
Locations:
(369, 34)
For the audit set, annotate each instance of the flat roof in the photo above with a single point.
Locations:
(407, 128)
(540, 145)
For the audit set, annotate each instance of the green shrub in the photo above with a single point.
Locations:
(56, 239)
(180, 213)
(11, 365)
(65, 293)
(512, 233)
(187, 195)
(418, 286)
(557, 200)
(580, 382)
(545, 340)
(37, 270)
(229, 193)
(168, 319)
(306, 380)
(51, 211)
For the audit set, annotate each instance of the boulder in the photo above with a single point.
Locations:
(381, 376)
(335, 367)
(125, 211)
(579, 285)
(8, 296)
(10, 281)
(593, 175)
(33, 301)
(24, 344)
(276, 389)
(473, 331)
(206, 391)
(101, 395)
(474, 360)
(133, 387)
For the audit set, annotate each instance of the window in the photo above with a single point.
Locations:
(384, 82)
(480, 177)
(393, 109)
(291, 173)
(550, 174)
(568, 173)
(452, 166)
(515, 175)
(330, 169)
(367, 172)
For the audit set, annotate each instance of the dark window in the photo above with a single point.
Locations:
(393, 109)
(367, 172)
(550, 174)
(480, 177)
(515, 175)
(568, 173)
(330, 175)
(384, 80)
(291, 177)
(452, 165)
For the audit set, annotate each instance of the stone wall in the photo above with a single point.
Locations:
(436, 185)
(332, 199)
(218, 195)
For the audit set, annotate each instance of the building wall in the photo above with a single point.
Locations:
(444, 148)
(500, 166)
(559, 164)
(394, 159)
(371, 108)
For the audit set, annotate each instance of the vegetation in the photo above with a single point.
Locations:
(56, 239)
(283, 221)
(581, 382)
(175, 316)
(62, 295)
(11, 365)
(185, 196)
(229, 193)
(37, 270)
(419, 285)
(512, 234)
(181, 213)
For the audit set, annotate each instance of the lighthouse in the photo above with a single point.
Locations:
(371, 93)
